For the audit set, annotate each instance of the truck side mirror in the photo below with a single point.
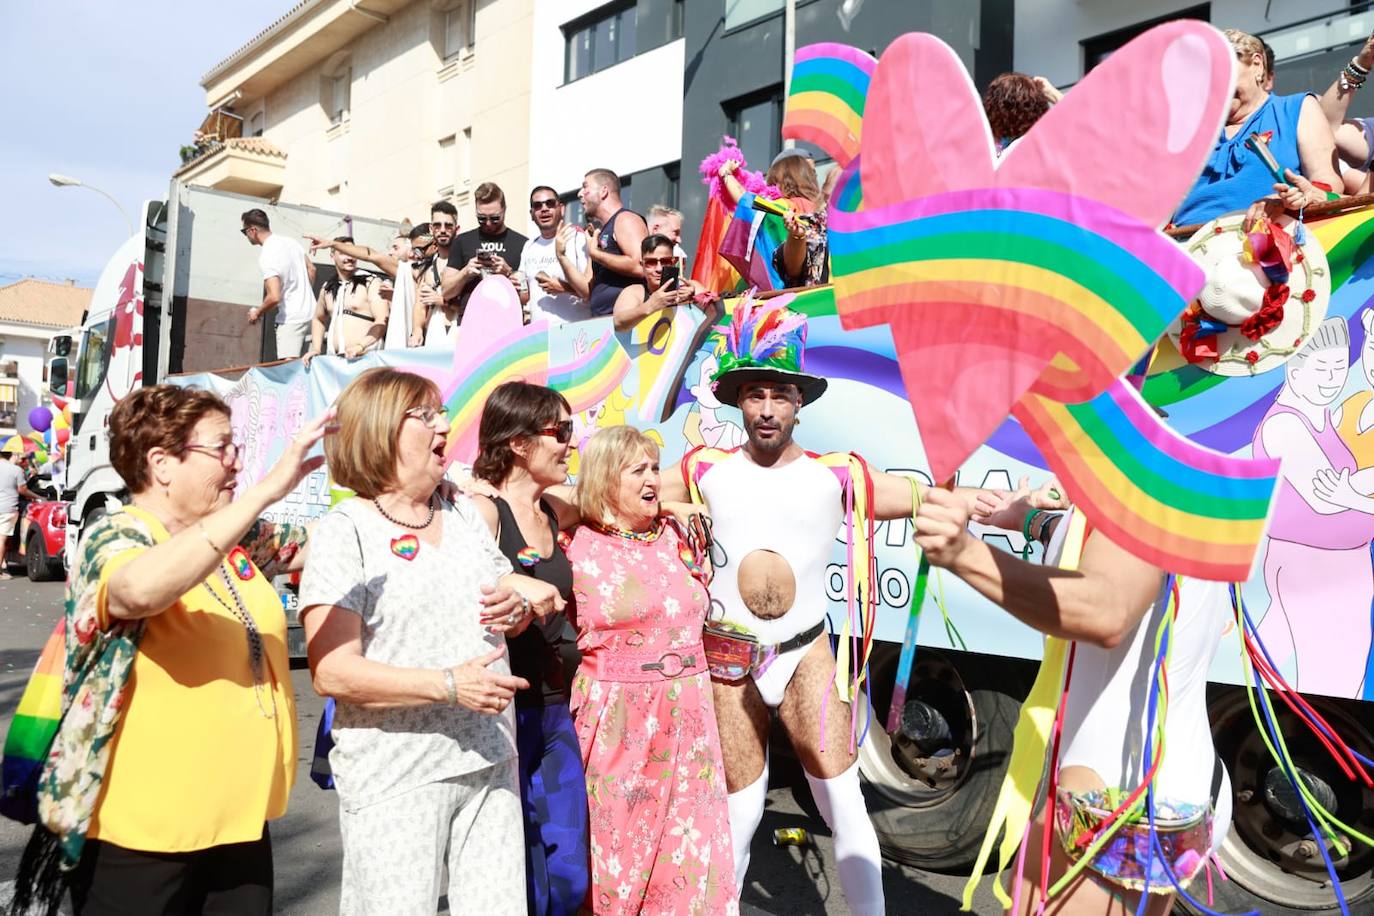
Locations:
(62, 345)
(57, 375)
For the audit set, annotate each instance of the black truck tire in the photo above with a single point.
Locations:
(38, 564)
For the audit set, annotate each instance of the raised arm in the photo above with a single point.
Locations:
(579, 277)
(361, 252)
(1317, 147)
(1099, 603)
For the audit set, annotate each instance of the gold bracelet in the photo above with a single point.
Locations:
(205, 534)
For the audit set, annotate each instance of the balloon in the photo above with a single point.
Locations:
(40, 418)
(63, 435)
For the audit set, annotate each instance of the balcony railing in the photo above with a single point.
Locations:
(1317, 34)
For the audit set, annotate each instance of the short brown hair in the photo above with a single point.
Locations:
(604, 456)
(489, 192)
(1014, 102)
(513, 410)
(605, 177)
(362, 455)
(255, 217)
(158, 416)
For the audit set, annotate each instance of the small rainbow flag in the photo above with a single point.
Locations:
(825, 102)
(1063, 292)
(589, 379)
(1168, 501)
(521, 355)
(750, 241)
(31, 733)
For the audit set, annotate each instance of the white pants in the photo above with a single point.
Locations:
(292, 336)
(395, 849)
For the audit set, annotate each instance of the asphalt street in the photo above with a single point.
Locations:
(791, 880)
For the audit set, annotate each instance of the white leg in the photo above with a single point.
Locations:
(857, 858)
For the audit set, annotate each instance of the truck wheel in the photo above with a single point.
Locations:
(930, 805)
(1269, 855)
(36, 561)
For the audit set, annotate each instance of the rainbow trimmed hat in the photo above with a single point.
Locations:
(765, 341)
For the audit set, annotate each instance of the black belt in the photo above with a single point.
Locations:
(354, 314)
(801, 639)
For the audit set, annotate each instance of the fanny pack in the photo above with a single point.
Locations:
(1185, 836)
(733, 653)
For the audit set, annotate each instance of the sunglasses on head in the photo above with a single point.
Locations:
(543, 204)
(484, 220)
(562, 431)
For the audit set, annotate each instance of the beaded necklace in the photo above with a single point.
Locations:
(250, 626)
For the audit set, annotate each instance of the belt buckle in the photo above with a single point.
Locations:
(661, 666)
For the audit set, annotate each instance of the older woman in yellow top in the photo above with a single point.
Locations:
(179, 739)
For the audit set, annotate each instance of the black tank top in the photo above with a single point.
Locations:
(535, 654)
(607, 283)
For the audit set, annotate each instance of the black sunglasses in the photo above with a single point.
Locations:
(562, 431)
(543, 204)
(490, 219)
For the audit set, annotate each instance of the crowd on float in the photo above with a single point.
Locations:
(548, 692)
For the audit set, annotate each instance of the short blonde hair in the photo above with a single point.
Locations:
(362, 455)
(1247, 46)
(603, 458)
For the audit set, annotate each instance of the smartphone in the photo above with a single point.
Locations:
(671, 275)
(484, 256)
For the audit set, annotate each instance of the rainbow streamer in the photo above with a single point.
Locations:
(589, 379)
(521, 355)
(1166, 500)
(825, 102)
(32, 730)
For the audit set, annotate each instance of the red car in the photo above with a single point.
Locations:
(44, 525)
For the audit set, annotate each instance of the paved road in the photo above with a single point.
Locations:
(306, 841)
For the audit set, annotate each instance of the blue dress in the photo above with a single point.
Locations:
(1235, 177)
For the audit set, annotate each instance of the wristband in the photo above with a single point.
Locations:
(1025, 526)
(213, 546)
(1045, 526)
(452, 686)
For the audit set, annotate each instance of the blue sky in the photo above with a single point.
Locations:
(107, 93)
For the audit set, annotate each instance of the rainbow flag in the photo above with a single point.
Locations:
(750, 241)
(31, 733)
(1164, 499)
(590, 379)
(1053, 293)
(521, 355)
(825, 101)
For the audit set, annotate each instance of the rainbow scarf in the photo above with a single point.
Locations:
(31, 733)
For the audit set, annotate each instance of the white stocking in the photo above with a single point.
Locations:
(746, 813)
(857, 858)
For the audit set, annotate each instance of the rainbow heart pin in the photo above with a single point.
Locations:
(406, 546)
(242, 566)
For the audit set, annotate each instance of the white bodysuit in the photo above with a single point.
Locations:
(793, 510)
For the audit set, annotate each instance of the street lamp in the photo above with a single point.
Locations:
(66, 181)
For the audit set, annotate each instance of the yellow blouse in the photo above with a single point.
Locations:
(1361, 444)
(195, 762)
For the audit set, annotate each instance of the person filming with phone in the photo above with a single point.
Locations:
(491, 248)
(663, 286)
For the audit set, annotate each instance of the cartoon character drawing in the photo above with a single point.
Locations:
(1317, 562)
(1355, 423)
(703, 426)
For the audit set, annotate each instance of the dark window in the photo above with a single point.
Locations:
(600, 40)
(572, 209)
(756, 122)
(676, 22)
(1096, 50)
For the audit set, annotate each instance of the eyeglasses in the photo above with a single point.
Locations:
(437, 227)
(562, 431)
(485, 220)
(245, 230)
(226, 452)
(659, 262)
(543, 204)
(427, 415)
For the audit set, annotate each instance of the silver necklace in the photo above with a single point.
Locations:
(396, 521)
(255, 650)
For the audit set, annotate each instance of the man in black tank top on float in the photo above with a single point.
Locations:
(614, 250)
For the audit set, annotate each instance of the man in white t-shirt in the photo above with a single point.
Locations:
(287, 274)
(554, 264)
(11, 488)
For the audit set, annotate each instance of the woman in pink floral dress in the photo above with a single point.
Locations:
(660, 834)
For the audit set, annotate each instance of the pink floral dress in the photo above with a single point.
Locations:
(660, 832)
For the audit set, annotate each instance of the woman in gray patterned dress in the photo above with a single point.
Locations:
(406, 603)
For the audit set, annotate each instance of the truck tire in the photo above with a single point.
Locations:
(937, 821)
(37, 563)
(1268, 857)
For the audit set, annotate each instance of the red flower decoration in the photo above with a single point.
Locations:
(1217, 230)
(1297, 341)
(1252, 357)
(1309, 295)
(1298, 258)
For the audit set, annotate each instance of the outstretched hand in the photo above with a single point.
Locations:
(293, 466)
(942, 526)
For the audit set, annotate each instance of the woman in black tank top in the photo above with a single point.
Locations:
(524, 440)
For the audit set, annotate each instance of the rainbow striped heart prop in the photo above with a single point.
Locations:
(825, 100)
(590, 378)
(1029, 285)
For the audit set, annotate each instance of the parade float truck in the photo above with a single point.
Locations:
(171, 304)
